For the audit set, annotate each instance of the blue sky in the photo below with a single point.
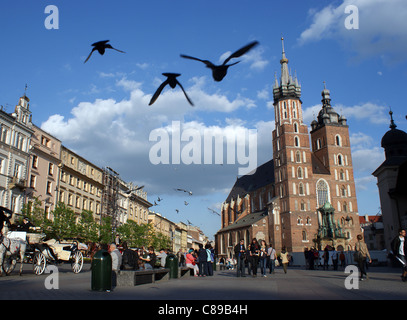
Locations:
(100, 109)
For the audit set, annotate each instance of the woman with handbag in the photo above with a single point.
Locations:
(360, 255)
(254, 254)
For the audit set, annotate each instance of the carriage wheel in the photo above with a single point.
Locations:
(77, 261)
(39, 263)
(9, 264)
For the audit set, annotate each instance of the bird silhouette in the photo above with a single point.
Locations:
(186, 203)
(219, 71)
(189, 192)
(213, 211)
(173, 82)
(101, 46)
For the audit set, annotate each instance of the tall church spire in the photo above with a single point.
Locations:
(285, 76)
(288, 87)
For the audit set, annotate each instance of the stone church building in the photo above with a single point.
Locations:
(306, 192)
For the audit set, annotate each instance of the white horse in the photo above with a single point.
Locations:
(11, 247)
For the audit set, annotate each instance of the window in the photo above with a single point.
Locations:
(32, 181)
(322, 192)
(298, 156)
(296, 141)
(340, 160)
(302, 208)
(299, 221)
(285, 110)
(294, 110)
(318, 144)
(295, 127)
(17, 169)
(299, 173)
(343, 191)
(304, 235)
(51, 169)
(338, 140)
(49, 187)
(300, 188)
(341, 175)
(35, 162)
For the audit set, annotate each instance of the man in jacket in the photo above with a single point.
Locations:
(399, 247)
(240, 251)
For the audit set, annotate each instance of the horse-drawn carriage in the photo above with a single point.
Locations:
(31, 247)
(40, 252)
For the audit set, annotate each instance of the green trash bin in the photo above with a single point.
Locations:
(171, 262)
(101, 271)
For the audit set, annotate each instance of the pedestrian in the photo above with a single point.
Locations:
(326, 258)
(271, 254)
(285, 259)
(240, 254)
(306, 257)
(342, 259)
(116, 257)
(263, 258)
(190, 260)
(202, 260)
(254, 253)
(335, 258)
(150, 259)
(210, 259)
(162, 256)
(361, 253)
(399, 247)
(248, 260)
(129, 258)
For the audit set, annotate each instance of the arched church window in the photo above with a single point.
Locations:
(298, 156)
(299, 173)
(296, 141)
(304, 235)
(322, 192)
(340, 160)
(295, 126)
(338, 140)
(301, 188)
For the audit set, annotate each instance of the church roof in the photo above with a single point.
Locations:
(263, 176)
(246, 221)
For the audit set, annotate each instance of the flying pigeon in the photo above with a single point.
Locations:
(215, 212)
(173, 82)
(189, 192)
(101, 46)
(219, 71)
(186, 203)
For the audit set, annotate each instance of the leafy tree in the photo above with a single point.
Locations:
(88, 229)
(33, 211)
(63, 224)
(106, 235)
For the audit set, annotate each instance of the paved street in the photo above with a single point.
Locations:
(297, 284)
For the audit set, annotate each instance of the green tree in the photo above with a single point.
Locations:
(106, 235)
(63, 224)
(33, 211)
(87, 228)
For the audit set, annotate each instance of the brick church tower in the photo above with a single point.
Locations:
(305, 195)
(307, 177)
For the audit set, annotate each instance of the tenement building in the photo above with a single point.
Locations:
(305, 195)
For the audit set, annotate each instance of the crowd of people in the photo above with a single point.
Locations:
(257, 255)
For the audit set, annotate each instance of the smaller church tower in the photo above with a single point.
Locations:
(22, 111)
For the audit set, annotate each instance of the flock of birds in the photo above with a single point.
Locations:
(218, 71)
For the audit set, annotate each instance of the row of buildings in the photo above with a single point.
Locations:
(35, 164)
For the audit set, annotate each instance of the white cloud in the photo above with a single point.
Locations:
(115, 133)
(382, 28)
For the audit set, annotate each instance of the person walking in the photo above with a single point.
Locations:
(240, 254)
(263, 257)
(254, 254)
(210, 259)
(361, 253)
(285, 259)
(271, 253)
(326, 258)
(399, 247)
(202, 260)
(335, 258)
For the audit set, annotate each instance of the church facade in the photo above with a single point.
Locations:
(311, 169)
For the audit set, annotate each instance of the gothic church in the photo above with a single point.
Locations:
(286, 200)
